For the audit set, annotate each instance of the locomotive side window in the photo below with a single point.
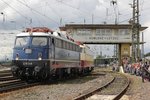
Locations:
(53, 42)
(62, 42)
(58, 43)
(21, 41)
(64, 45)
(39, 41)
(77, 48)
(71, 46)
(67, 45)
(74, 47)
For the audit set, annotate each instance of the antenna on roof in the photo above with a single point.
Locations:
(3, 16)
(114, 2)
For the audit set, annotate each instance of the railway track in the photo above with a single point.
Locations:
(7, 78)
(18, 84)
(12, 85)
(6, 75)
(113, 90)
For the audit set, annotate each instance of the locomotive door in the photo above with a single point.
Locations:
(52, 49)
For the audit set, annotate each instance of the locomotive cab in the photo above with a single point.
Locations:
(30, 55)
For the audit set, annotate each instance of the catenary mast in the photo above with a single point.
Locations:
(135, 32)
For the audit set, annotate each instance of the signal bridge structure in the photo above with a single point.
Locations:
(120, 34)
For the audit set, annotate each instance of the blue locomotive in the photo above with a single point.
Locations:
(40, 53)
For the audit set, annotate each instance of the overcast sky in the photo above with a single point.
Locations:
(18, 14)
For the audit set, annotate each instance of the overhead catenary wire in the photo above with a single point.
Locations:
(8, 21)
(40, 23)
(71, 6)
(95, 16)
(38, 12)
(81, 11)
(54, 11)
(29, 19)
(16, 10)
(77, 8)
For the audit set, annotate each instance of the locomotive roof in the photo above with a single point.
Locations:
(51, 34)
(33, 34)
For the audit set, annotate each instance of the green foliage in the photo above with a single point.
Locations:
(148, 54)
(99, 56)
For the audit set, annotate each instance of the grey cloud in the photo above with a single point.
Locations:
(49, 12)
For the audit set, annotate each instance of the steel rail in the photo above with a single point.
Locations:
(119, 95)
(7, 78)
(5, 71)
(18, 84)
(86, 95)
(5, 74)
(5, 84)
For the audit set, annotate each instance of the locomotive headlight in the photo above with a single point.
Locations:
(36, 68)
(39, 56)
(28, 50)
(17, 56)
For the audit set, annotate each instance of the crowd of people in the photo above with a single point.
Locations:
(140, 68)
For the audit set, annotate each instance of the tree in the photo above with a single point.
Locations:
(99, 56)
(147, 54)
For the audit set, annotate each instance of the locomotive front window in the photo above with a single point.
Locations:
(39, 41)
(21, 41)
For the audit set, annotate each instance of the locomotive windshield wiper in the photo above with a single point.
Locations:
(20, 43)
(42, 43)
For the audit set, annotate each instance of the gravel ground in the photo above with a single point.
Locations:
(138, 90)
(61, 91)
(72, 88)
(115, 87)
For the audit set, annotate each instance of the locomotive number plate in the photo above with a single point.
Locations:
(27, 63)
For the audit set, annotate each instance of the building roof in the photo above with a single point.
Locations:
(100, 26)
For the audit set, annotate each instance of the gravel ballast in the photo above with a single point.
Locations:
(69, 89)
(62, 91)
